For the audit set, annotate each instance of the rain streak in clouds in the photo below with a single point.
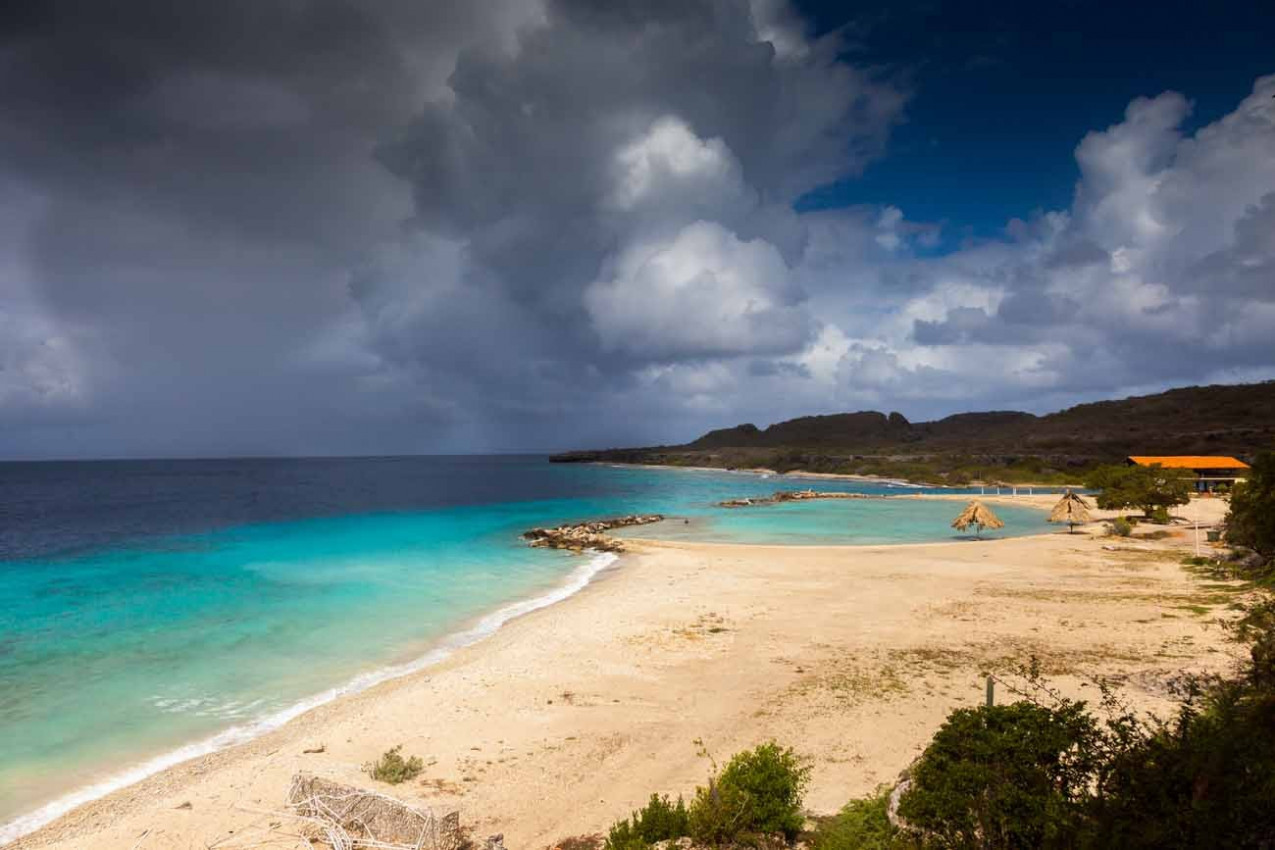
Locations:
(274, 227)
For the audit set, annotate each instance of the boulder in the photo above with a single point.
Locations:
(580, 536)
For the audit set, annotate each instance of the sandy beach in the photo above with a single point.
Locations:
(567, 718)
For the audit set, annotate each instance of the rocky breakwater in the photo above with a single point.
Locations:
(580, 536)
(796, 496)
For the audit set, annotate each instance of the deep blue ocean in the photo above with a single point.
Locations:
(155, 610)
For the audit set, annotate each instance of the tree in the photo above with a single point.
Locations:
(1251, 520)
(1200, 779)
(757, 794)
(1143, 487)
(1004, 777)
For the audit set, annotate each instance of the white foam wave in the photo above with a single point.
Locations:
(485, 627)
(206, 706)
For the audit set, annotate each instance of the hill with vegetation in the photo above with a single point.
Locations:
(1009, 446)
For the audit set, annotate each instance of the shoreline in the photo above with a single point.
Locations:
(467, 635)
(524, 644)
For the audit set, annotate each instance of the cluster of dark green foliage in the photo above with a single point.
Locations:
(1152, 489)
(1121, 527)
(659, 820)
(1251, 521)
(861, 825)
(391, 767)
(1204, 779)
(756, 796)
(754, 801)
(1005, 776)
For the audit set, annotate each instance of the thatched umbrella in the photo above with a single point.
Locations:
(1071, 509)
(978, 515)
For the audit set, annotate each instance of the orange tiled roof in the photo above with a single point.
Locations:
(1189, 461)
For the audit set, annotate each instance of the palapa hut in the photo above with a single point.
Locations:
(978, 515)
(1071, 509)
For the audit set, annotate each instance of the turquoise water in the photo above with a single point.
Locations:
(115, 656)
(835, 522)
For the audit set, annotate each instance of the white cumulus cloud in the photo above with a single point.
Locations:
(703, 293)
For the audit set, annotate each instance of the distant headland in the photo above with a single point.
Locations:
(994, 446)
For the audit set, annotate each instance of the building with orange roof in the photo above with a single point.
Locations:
(1209, 470)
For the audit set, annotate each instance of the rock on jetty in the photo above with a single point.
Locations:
(587, 535)
(796, 496)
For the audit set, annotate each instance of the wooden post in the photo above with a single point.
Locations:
(991, 692)
(1197, 530)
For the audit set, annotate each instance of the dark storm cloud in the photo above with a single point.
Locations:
(619, 194)
(189, 187)
(198, 195)
(521, 163)
(273, 226)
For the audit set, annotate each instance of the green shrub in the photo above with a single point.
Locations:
(391, 767)
(1160, 514)
(757, 795)
(716, 815)
(623, 837)
(1251, 519)
(1144, 487)
(659, 820)
(1121, 527)
(861, 825)
(1005, 776)
(1204, 779)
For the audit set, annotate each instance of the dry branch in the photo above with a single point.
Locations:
(349, 818)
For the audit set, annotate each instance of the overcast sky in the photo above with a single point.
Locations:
(334, 227)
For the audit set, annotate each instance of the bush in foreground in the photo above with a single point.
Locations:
(754, 800)
(1006, 776)
(659, 820)
(1206, 776)
(391, 767)
(861, 825)
(757, 795)
(1205, 779)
